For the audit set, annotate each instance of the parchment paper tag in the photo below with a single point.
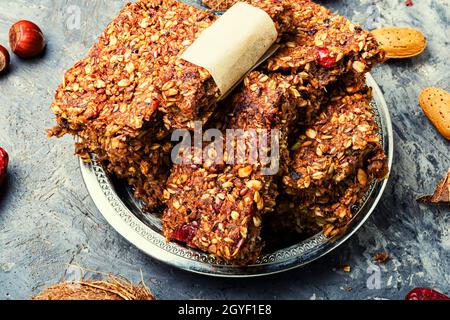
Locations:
(233, 44)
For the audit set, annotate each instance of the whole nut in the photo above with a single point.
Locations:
(4, 59)
(3, 165)
(435, 103)
(26, 39)
(400, 42)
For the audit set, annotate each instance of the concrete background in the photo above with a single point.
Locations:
(48, 221)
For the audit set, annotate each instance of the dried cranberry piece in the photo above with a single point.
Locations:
(184, 233)
(154, 105)
(425, 294)
(409, 3)
(325, 60)
(4, 159)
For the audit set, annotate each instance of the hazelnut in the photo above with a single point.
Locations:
(4, 59)
(26, 39)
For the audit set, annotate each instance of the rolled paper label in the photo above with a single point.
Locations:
(233, 44)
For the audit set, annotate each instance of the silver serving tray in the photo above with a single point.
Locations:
(115, 201)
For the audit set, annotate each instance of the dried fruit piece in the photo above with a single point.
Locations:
(324, 57)
(435, 103)
(4, 59)
(4, 159)
(26, 39)
(425, 294)
(400, 42)
(442, 193)
(184, 233)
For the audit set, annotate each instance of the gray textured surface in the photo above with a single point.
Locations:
(48, 221)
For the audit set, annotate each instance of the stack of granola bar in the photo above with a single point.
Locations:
(229, 224)
(133, 90)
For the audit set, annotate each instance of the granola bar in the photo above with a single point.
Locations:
(319, 38)
(143, 162)
(342, 137)
(329, 212)
(324, 48)
(219, 208)
(315, 42)
(318, 46)
(335, 160)
(135, 71)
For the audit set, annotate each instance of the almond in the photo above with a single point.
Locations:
(400, 42)
(435, 103)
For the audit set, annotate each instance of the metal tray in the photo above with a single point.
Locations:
(115, 201)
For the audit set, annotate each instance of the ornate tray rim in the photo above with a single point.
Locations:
(127, 224)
